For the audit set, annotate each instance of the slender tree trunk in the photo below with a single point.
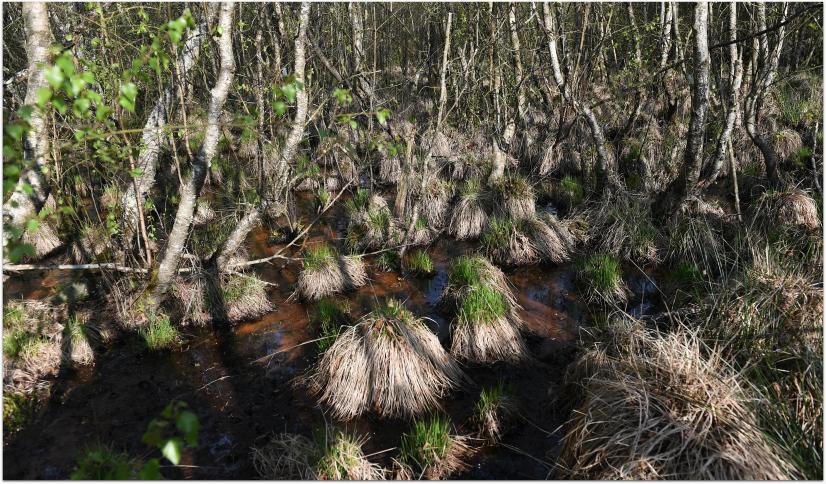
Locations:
(280, 169)
(192, 186)
(666, 19)
(606, 159)
(522, 99)
(23, 203)
(636, 33)
(762, 81)
(736, 79)
(687, 183)
(153, 132)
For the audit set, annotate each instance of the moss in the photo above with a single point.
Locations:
(18, 408)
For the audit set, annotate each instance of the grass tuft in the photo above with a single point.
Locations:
(427, 442)
(160, 334)
(318, 256)
(419, 262)
(482, 304)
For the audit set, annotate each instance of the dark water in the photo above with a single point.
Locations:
(241, 399)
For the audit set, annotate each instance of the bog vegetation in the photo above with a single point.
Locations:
(192, 173)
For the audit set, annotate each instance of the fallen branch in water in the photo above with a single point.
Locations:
(72, 267)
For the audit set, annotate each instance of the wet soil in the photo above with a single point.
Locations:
(241, 380)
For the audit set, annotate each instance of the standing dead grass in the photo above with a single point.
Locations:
(663, 406)
(335, 456)
(326, 273)
(389, 363)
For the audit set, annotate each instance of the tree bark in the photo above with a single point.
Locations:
(192, 186)
(736, 80)
(281, 168)
(606, 159)
(152, 137)
(21, 205)
(687, 183)
(521, 98)
(762, 81)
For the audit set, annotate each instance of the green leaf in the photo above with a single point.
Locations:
(382, 115)
(44, 94)
(188, 424)
(289, 91)
(151, 471)
(59, 104)
(54, 76)
(136, 172)
(129, 90)
(81, 106)
(77, 84)
(172, 450)
(280, 107)
(66, 65)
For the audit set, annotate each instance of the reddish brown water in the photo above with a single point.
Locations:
(241, 399)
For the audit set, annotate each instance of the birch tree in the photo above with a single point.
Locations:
(687, 183)
(32, 189)
(191, 188)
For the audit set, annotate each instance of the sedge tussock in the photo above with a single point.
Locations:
(506, 243)
(482, 331)
(326, 273)
(788, 209)
(515, 197)
(665, 407)
(336, 456)
(389, 363)
(468, 218)
(435, 203)
(430, 451)
(494, 413)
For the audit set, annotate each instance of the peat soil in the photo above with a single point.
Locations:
(243, 381)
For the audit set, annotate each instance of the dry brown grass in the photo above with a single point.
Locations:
(469, 218)
(788, 209)
(389, 363)
(290, 456)
(451, 463)
(486, 342)
(621, 225)
(390, 169)
(32, 338)
(337, 274)
(435, 203)
(203, 213)
(665, 407)
(553, 241)
(787, 142)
